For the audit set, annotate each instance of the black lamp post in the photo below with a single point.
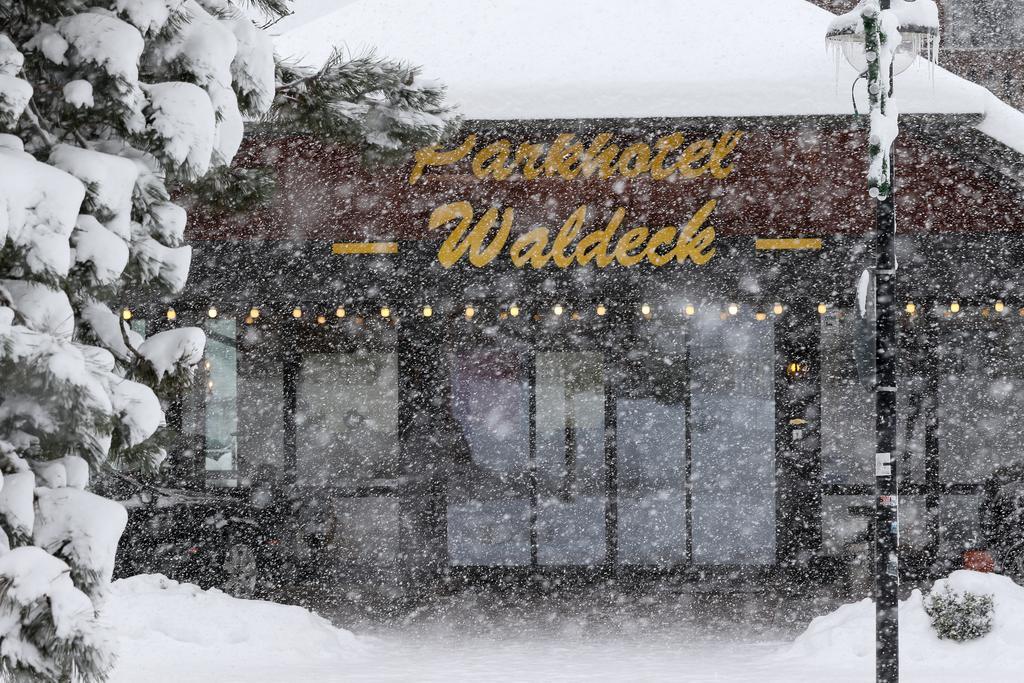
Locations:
(861, 47)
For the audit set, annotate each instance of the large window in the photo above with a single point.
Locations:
(651, 449)
(346, 419)
(847, 404)
(221, 403)
(261, 413)
(981, 396)
(570, 458)
(489, 495)
(733, 469)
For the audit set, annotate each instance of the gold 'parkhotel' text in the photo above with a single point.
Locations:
(568, 159)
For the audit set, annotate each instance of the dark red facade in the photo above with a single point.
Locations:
(790, 180)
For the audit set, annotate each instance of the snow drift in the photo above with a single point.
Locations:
(170, 628)
(846, 637)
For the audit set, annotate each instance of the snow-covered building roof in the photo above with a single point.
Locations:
(576, 59)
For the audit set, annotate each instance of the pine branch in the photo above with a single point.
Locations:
(278, 9)
(377, 105)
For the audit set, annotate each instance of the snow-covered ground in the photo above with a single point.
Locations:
(177, 632)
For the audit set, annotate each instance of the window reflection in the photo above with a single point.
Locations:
(847, 407)
(346, 419)
(489, 496)
(261, 412)
(981, 398)
(733, 443)
(651, 449)
(221, 415)
(570, 458)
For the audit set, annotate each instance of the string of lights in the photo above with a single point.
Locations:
(952, 308)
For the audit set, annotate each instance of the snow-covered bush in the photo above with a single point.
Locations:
(959, 616)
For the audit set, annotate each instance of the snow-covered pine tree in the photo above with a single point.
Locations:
(104, 105)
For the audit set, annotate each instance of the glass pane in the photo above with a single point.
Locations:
(733, 442)
(221, 402)
(981, 398)
(847, 410)
(651, 439)
(914, 522)
(261, 414)
(346, 419)
(651, 447)
(489, 497)
(959, 525)
(570, 459)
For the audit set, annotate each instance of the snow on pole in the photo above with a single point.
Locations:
(881, 40)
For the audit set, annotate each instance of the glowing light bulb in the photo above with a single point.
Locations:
(171, 314)
(954, 307)
(1000, 307)
(822, 309)
(427, 311)
(470, 312)
(212, 312)
(320, 319)
(385, 312)
(777, 309)
(513, 310)
(733, 309)
(296, 312)
(126, 314)
(911, 307)
(558, 309)
(339, 312)
(690, 309)
(645, 309)
(254, 313)
(601, 310)
(761, 316)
